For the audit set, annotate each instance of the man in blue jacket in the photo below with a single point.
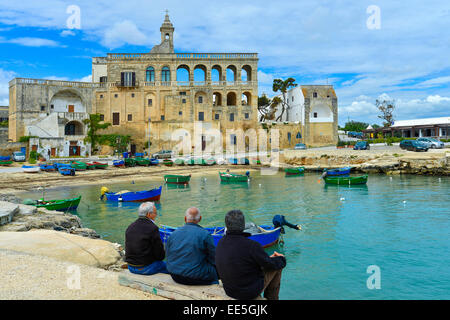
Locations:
(245, 269)
(190, 252)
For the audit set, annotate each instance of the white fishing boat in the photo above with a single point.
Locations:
(31, 169)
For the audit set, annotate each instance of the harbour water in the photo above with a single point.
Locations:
(399, 224)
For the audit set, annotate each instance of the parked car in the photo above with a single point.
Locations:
(163, 154)
(300, 146)
(18, 156)
(432, 143)
(413, 145)
(361, 145)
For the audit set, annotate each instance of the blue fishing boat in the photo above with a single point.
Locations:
(338, 171)
(66, 171)
(233, 160)
(118, 163)
(154, 162)
(131, 196)
(265, 235)
(47, 167)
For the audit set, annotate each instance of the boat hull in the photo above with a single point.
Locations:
(294, 171)
(177, 179)
(61, 205)
(346, 180)
(229, 177)
(265, 239)
(338, 172)
(139, 196)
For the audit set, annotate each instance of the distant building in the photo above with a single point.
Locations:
(427, 127)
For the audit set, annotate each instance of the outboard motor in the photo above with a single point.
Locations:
(280, 221)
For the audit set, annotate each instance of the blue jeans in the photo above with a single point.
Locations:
(155, 267)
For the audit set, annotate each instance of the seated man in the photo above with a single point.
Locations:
(144, 250)
(191, 252)
(245, 269)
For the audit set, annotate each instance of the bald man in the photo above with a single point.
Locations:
(190, 252)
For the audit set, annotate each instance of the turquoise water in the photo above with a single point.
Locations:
(400, 224)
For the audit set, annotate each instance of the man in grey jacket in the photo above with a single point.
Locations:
(190, 252)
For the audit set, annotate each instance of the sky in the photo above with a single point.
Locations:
(368, 50)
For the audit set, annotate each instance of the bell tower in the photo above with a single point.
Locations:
(167, 31)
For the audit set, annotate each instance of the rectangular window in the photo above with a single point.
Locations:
(71, 108)
(127, 79)
(292, 98)
(42, 108)
(233, 139)
(102, 117)
(116, 95)
(246, 115)
(130, 117)
(201, 116)
(183, 100)
(315, 95)
(52, 106)
(103, 79)
(200, 99)
(162, 118)
(315, 114)
(180, 113)
(182, 93)
(132, 95)
(116, 118)
(150, 102)
(101, 96)
(231, 116)
(216, 116)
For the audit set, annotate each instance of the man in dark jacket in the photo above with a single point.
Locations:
(191, 252)
(245, 269)
(144, 250)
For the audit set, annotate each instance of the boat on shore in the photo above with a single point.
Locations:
(131, 196)
(31, 169)
(129, 162)
(346, 180)
(142, 161)
(168, 162)
(90, 166)
(119, 163)
(47, 167)
(66, 171)
(100, 165)
(5, 161)
(179, 162)
(154, 162)
(294, 171)
(58, 205)
(177, 179)
(79, 166)
(338, 171)
(232, 177)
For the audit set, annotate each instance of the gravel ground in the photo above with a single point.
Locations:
(32, 277)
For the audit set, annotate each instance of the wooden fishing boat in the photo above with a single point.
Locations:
(119, 163)
(66, 171)
(142, 161)
(79, 166)
(179, 162)
(5, 162)
(129, 162)
(233, 161)
(47, 167)
(265, 235)
(154, 162)
(100, 165)
(177, 179)
(90, 166)
(31, 169)
(346, 180)
(210, 161)
(132, 196)
(232, 177)
(190, 161)
(338, 171)
(294, 171)
(168, 162)
(59, 205)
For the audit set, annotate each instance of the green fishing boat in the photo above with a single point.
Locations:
(59, 205)
(294, 171)
(179, 162)
(90, 166)
(142, 161)
(78, 165)
(232, 177)
(346, 180)
(130, 162)
(168, 162)
(100, 165)
(177, 179)
(5, 162)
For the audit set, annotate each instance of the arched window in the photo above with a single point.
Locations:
(165, 74)
(150, 74)
(298, 136)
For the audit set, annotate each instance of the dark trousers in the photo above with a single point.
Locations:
(192, 282)
(272, 281)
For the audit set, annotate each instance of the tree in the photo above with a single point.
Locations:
(283, 86)
(386, 108)
(94, 125)
(355, 126)
(268, 107)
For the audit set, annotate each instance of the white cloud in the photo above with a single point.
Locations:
(32, 42)
(5, 77)
(66, 33)
(124, 32)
